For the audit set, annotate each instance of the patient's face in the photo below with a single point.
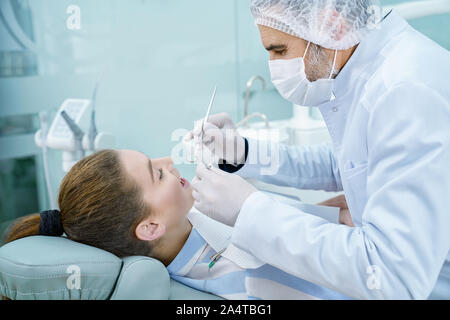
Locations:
(163, 189)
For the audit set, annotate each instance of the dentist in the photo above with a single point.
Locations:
(384, 93)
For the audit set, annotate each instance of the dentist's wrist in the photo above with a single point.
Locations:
(232, 168)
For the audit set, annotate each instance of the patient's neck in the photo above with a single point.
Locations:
(172, 242)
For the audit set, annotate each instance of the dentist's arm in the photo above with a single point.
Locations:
(399, 249)
(304, 167)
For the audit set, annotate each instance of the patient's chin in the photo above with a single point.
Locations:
(187, 200)
(190, 199)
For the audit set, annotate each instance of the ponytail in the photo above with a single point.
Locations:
(100, 206)
(23, 227)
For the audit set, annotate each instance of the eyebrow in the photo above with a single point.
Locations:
(275, 46)
(150, 168)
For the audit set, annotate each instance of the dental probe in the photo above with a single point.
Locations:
(207, 114)
(209, 110)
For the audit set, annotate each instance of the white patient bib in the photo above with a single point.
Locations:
(218, 236)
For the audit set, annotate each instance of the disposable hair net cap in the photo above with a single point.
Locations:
(332, 24)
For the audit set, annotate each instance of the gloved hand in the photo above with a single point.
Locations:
(220, 136)
(218, 194)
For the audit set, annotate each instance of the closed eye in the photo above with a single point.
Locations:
(278, 49)
(280, 52)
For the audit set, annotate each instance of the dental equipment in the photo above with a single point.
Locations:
(215, 257)
(66, 132)
(209, 110)
(244, 121)
(248, 94)
(43, 117)
(206, 118)
(77, 134)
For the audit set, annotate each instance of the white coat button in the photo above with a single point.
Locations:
(335, 109)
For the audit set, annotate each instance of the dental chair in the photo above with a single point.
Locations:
(56, 268)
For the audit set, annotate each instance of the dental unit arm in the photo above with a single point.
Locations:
(78, 135)
(66, 132)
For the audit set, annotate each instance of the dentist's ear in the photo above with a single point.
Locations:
(149, 230)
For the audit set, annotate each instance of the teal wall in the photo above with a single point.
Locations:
(161, 60)
(436, 27)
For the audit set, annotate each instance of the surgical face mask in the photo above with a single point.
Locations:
(289, 77)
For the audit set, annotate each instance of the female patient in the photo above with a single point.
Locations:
(125, 203)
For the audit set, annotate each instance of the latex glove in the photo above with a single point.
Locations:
(344, 213)
(220, 136)
(218, 194)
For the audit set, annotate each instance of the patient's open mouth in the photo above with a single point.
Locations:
(184, 182)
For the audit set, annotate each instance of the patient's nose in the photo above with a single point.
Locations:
(168, 163)
(164, 162)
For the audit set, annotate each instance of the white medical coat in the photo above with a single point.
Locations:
(390, 128)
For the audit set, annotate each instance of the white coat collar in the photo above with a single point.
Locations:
(218, 236)
(367, 53)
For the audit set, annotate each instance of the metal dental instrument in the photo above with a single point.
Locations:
(209, 110)
(215, 257)
(207, 113)
(77, 134)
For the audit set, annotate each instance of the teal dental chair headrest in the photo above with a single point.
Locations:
(49, 268)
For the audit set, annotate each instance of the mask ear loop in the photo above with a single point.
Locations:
(306, 50)
(334, 64)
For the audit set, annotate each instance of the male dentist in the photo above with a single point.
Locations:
(384, 92)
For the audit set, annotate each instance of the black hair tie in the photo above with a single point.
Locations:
(51, 224)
